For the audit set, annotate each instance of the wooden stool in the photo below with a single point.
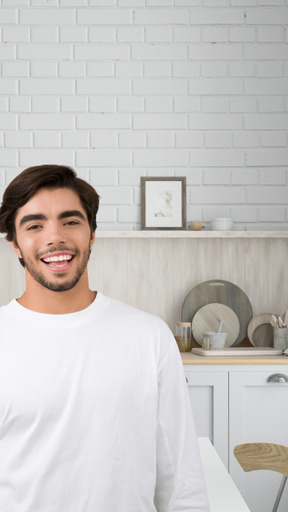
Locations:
(267, 456)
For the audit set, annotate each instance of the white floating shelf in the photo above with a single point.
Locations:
(187, 234)
(191, 234)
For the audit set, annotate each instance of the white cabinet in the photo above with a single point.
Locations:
(208, 393)
(234, 404)
(258, 411)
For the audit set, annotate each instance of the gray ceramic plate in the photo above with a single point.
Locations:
(222, 292)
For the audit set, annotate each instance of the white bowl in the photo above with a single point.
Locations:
(214, 340)
(222, 224)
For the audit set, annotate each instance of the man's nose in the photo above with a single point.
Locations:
(56, 234)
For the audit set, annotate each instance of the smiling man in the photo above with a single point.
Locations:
(92, 419)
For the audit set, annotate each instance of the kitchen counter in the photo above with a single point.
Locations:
(190, 358)
(234, 397)
(223, 494)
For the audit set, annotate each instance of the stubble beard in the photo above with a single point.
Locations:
(55, 286)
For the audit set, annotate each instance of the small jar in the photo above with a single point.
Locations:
(183, 336)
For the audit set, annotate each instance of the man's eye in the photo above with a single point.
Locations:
(71, 223)
(33, 227)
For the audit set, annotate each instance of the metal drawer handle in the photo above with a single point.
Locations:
(186, 380)
(277, 377)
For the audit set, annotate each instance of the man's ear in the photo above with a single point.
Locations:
(16, 249)
(18, 252)
(92, 239)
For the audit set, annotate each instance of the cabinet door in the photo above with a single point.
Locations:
(258, 412)
(208, 392)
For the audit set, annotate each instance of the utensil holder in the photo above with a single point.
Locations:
(280, 338)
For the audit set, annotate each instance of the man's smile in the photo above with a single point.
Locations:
(57, 258)
(58, 262)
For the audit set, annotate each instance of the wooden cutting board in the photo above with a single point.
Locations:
(238, 351)
(260, 331)
(208, 317)
(222, 292)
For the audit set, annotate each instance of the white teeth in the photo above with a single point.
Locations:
(62, 257)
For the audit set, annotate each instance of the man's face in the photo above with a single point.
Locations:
(53, 238)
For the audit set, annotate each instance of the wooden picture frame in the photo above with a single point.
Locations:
(163, 203)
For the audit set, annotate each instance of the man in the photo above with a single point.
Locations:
(94, 412)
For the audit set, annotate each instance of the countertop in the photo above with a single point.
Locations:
(223, 494)
(190, 358)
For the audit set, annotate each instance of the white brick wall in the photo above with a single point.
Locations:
(121, 89)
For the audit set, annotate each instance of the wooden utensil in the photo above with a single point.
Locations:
(285, 317)
(273, 321)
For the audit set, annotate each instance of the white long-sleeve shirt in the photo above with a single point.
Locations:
(94, 414)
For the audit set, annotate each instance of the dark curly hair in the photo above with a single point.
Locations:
(29, 181)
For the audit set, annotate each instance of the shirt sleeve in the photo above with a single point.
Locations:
(180, 483)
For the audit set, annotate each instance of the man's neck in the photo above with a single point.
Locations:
(41, 300)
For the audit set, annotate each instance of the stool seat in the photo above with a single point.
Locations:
(264, 456)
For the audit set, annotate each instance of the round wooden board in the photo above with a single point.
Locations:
(260, 331)
(208, 317)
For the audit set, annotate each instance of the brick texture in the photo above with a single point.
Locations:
(121, 89)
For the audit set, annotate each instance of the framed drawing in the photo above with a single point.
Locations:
(163, 203)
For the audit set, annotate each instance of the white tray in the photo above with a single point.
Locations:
(238, 351)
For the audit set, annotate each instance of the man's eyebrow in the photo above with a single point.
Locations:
(39, 216)
(71, 213)
(31, 217)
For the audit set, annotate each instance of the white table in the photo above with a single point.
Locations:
(222, 492)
